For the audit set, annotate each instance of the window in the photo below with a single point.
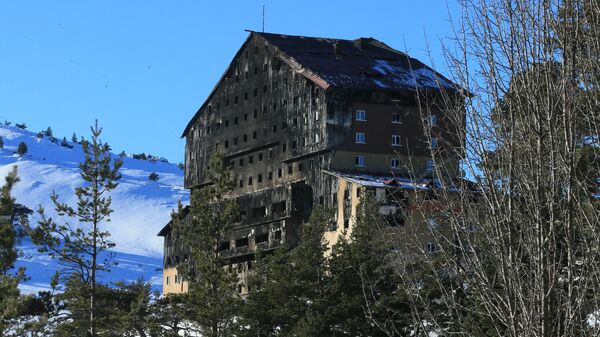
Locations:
(360, 138)
(235, 141)
(433, 120)
(245, 117)
(300, 167)
(176, 278)
(260, 178)
(431, 223)
(260, 156)
(249, 181)
(226, 144)
(294, 144)
(241, 183)
(250, 160)
(241, 163)
(396, 118)
(361, 115)
(431, 248)
(245, 138)
(254, 135)
(395, 163)
(430, 165)
(359, 161)
(290, 169)
(270, 153)
(279, 173)
(227, 123)
(283, 147)
(270, 175)
(395, 140)
(274, 128)
(168, 280)
(434, 143)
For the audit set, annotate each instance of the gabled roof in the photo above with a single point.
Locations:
(361, 64)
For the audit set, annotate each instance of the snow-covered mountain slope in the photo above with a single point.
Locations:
(141, 207)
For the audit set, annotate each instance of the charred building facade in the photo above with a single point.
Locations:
(294, 116)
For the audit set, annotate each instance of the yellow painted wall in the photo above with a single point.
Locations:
(172, 287)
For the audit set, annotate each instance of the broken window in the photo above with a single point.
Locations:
(225, 245)
(259, 212)
(278, 207)
(261, 238)
(243, 242)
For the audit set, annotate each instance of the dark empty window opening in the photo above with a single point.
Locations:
(241, 183)
(226, 144)
(264, 110)
(227, 102)
(255, 70)
(279, 173)
(254, 135)
(235, 141)
(246, 73)
(274, 128)
(278, 207)
(227, 123)
(250, 160)
(261, 238)
(235, 121)
(358, 192)
(260, 178)
(346, 223)
(245, 117)
(270, 175)
(284, 126)
(245, 138)
(290, 169)
(300, 167)
(259, 212)
(255, 114)
(249, 181)
(277, 235)
(321, 200)
(255, 92)
(260, 156)
(265, 88)
(295, 122)
(241, 162)
(243, 242)
(283, 147)
(224, 246)
(235, 100)
(245, 96)
(294, 144)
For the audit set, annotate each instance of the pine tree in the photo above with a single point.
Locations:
(74, 138)
(153, 176)
(22, 126)
(82, 250)
(49, 132)
(213, 288)
(22, 148)
(288, 287)
(9, 293)
(1, 143)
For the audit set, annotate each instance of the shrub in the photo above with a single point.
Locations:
(22, 148)
(153, 176)
(21, 126)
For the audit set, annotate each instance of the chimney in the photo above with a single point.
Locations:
(337, 50)
(362, 43)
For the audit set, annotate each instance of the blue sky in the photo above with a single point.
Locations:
(143, 67)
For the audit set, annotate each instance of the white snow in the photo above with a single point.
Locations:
(141, 207)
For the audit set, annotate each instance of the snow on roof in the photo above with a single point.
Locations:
(369, 180)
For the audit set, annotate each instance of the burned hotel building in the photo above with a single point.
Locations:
(306, 121)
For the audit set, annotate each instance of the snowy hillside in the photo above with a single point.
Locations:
(141, 207)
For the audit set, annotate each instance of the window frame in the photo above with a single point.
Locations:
(358, 159)
(396, 137)
(361, 112)
(360, 138)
